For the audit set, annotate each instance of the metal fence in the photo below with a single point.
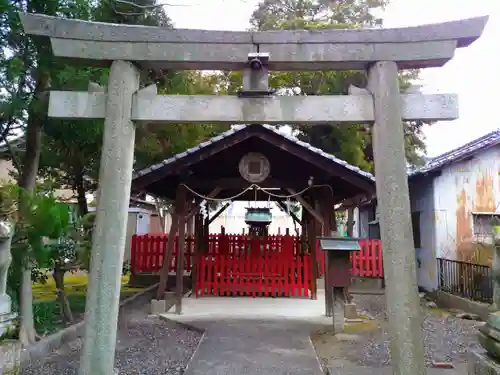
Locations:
(467, 280)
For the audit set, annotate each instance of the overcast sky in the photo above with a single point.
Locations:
(472, 74)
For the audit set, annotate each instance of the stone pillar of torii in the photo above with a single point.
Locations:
(124, 105)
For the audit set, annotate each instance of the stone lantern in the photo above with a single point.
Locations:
(6, 315)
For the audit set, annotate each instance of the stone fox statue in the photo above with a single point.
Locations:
(5, 255)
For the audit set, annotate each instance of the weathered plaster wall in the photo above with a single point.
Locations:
(422, 201)
(463, 188)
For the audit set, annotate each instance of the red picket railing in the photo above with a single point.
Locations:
(368, 261)
(148, 250)
(266, 274)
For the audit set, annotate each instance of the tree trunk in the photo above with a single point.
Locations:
(83, 207)
(66, 315)
(36, 115)
(27, 334)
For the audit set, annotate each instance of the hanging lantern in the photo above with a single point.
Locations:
(258, 220)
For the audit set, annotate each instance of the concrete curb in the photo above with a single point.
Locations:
(188, 326)
(182, 324)
(68, 334)
(192, 356)
(373, 292)
(322, 368)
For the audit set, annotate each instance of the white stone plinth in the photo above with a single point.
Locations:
(6, 315)
(10, 356)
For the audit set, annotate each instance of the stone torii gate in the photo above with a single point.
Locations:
(123, 105)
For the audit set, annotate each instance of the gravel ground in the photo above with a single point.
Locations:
(145, 346)
(447, 339)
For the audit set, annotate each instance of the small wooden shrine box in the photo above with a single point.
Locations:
(338, 250)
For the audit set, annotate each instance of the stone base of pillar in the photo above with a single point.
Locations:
(158, 306)
(481, 363)
(338, 311)
(6, 315)
(10, 357)
(350, 311)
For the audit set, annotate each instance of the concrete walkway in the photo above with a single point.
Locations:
(239, 347)
(350, 369)
(264, 336)
(201, 311)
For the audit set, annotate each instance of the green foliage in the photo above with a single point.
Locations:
(11, 334)
(304, 14)
(155, 142)
(83, 237)
(351, 143)
(47, 313)
(42, 217)
(126, 268)
(45, 216)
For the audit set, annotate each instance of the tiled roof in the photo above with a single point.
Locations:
(238, 128)
(486, 141)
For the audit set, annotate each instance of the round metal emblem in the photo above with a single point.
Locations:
(254, 167)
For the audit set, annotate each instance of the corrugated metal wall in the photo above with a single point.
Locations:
(462, 191)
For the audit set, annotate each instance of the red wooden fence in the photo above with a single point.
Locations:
(368, 261)
(267, 274)
(148, 250)
(147, 253)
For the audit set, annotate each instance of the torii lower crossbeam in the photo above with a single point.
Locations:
(314, 110)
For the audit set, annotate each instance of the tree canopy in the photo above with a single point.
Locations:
(349, 142)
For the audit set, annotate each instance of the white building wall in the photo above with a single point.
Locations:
(422, 207)
(233, 219)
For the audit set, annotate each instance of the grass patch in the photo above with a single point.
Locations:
(46, 309)
(365, 326)
(75, 284)
(47, 313)
(351, 328)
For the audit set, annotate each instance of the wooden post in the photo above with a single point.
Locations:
(304, 235)
(196, 253)
(180, 206)
(167, 259)
(206, 234)
(316, 228)
(311, 239)
(350, 229)
(327, 214)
